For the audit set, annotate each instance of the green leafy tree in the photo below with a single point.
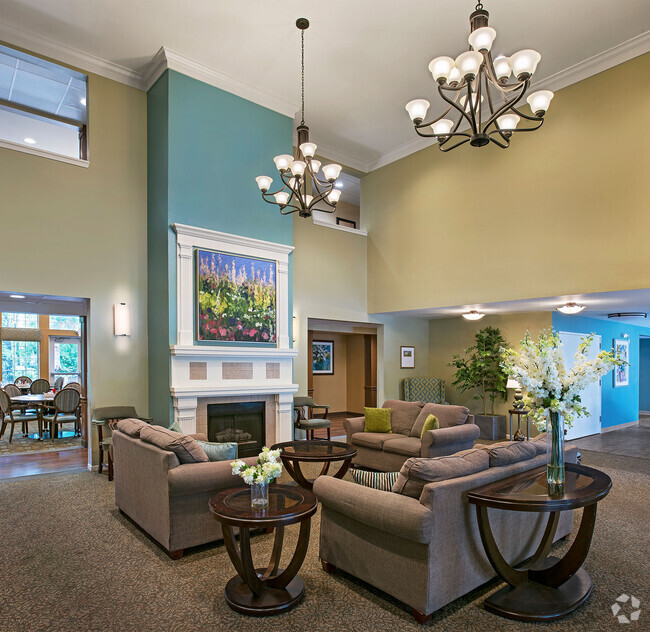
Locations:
(480, 368)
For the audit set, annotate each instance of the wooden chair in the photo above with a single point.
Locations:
(66, 410)
(39, 386)
(58, 384)
(10, 417)
(13, 391)
(109, 416)
(310, 422)
(75, 385)
(23, 382)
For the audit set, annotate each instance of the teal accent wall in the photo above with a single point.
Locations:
(209, 146)
(644, 374)
(619, 405)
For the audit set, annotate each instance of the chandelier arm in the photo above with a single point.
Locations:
(317, 198)
(453, 103)
(498, 144)
(523, 129)
(506, 106)
(462, 142)
(527, 116)
(430, 123)
(471, 108)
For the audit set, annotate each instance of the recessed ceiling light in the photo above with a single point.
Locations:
(570, 308)
(339, 185)
(83, 101)
(473, 315)
(30, 141)
(16, 296)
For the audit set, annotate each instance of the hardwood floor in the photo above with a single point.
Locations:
(28, 464)
(336, 429)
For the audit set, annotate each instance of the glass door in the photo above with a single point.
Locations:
(65, 359)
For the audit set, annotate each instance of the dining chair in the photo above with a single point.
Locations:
(13, 391)
(66, 410)
(75, 385)
(10, 417)
(58, 383)
(39, 386)
(23, 380)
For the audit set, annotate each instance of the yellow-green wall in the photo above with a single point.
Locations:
(564, 210)
(72, 231)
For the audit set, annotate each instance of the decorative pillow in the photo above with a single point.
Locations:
(447, 416)
(184, 447)
(540, 443)
(418, 472)
(377, 419)
(383, 481)
(403, 414)
(132, 427)
(219, 451)
(431, 423)
(175, 427)
(509, 452)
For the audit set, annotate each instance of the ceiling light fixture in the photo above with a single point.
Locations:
(628, 315)
(83, 101)
(472, 76)
(29, 141)
(302, 190)
(570, 308)
(473, 315)
(16, 296)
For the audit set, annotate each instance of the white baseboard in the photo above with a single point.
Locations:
(619, 427)
(644, 412)
(93, 468)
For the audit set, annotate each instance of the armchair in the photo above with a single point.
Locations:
(310, 422)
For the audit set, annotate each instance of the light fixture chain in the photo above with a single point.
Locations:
(302, 50)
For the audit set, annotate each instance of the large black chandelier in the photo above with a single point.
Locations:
(479, 94)
(302, 191)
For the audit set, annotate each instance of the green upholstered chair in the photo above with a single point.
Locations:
(65, 411)
(430, 390)
(10, 416)
(305, 419)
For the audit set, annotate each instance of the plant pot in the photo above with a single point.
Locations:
(493, 427)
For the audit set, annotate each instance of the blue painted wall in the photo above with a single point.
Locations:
(619, 405)
(215, 144)
(644, 374)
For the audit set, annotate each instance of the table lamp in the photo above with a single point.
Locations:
(518, 404)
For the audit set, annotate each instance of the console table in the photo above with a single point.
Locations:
(549, 587)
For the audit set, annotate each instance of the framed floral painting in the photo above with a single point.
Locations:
(235, 298)
(622, 352)
(322, 357)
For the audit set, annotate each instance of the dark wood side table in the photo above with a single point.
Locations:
(549, 588)
(271, 590)
(519, 435)
(319, 451)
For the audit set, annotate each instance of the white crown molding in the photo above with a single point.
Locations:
(401, 151)
(67, 55)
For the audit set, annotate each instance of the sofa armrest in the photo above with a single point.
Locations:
(399, 515)
(198, 478)
(353, 425)
(445, 437)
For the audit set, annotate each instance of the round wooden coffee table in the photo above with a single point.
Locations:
(548, 588)
(317, 451)
(270, 590)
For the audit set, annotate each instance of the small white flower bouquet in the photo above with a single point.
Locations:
(268, 468)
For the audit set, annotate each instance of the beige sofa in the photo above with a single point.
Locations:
(167, 499)
(387, 452)
(426, 551)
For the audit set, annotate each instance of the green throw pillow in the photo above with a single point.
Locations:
(219, 451)
(175, 427)
(377, 419)
(431, 423)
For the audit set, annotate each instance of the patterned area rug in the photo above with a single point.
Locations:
(21, 444)
(95, 570)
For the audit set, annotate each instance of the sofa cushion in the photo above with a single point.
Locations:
(540, 443)
(219, 451)
(377, 419)
(382, 481)
(447, 416)
(374, 440)
(418, 472)
(184, 447)
(131, 426)
(410, 446)
(509, 452)
(403, 415)
(431, 423)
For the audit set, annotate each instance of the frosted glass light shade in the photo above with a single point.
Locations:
(508, 122)
(441, 127)
(298, 167)
(473, 315)
(282, 197)
(481, 39)
(307, 199)
(283, 161)
(524, 63)
(264, 183)
(308, 149)
(539, 101)
(463, 101)
(315, 166)
(570, 308)
(454, 76)
(331, 172)
(502, 67)
(334, 196)
(121, 319)
(417, 109)
(469, 63)
(512, 383)
(441, 68)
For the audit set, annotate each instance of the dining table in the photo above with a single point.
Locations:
(39, 402)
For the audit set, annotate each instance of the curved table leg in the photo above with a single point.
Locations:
(282, 580)
(272, 568)
(344, 468)
(300, 477)
(251, 577)
(325, 468)
(547, 540)
(233, 549)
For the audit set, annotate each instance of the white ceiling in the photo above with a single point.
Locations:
(365, 59)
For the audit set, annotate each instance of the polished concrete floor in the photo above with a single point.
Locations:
(633, 441)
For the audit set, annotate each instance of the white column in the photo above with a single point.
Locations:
(284, 417)
(185, 413)
(185, 295)
(282, 304)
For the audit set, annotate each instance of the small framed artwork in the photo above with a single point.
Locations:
(322, 357)
(347, 223)
(622, 352)
(407, 358)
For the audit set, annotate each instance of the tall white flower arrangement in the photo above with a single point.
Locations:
(549, 386)
(268, 468)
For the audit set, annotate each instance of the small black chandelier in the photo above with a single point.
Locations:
(302, 190)
(474, 80)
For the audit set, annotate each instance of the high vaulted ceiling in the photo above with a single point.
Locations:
(364, 58)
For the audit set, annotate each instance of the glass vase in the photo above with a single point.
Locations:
(259, 495)
(555, 454)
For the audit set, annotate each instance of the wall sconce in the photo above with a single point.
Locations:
(121, 319)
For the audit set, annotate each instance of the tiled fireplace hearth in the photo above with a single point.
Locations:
(203, 374)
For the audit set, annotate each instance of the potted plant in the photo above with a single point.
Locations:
(479, 369)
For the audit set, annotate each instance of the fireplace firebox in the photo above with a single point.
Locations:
(242, 422)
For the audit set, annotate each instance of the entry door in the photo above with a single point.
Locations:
(65, 358)
(591, 396)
